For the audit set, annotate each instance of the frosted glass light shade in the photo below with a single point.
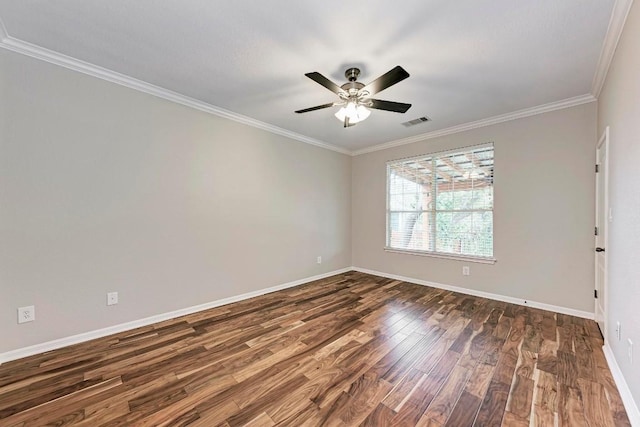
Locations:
(356, 113)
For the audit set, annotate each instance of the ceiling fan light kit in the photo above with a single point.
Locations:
(355, 113)
(355, 98)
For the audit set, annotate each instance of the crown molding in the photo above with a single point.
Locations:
(619, 15)
(616, 24)
(545, 108)
(38, 52)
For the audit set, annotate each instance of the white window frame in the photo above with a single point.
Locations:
(435, 254)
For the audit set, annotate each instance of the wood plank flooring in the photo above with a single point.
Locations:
(350, 350)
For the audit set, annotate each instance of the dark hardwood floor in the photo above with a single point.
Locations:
(352, 349)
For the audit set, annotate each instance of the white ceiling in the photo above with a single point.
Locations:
(469, 60)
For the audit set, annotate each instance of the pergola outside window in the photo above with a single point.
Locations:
(442, 203)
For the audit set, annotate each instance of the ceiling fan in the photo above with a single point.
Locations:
(355, 96)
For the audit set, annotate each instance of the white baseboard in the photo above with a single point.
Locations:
(87, 336)
(625, 393)
(497, 297)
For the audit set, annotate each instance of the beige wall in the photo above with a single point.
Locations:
(543, 217)
(104, 188)
(619, 108)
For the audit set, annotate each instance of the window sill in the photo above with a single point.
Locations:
(442, 255)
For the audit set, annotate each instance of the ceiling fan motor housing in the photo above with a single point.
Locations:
(352, 86)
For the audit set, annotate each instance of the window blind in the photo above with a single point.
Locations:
(442, 202)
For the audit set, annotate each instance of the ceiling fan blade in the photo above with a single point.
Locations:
(320, 79)
(389, 78)
(396, 107)
(317, 107)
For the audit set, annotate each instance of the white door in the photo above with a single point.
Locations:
(602, 217)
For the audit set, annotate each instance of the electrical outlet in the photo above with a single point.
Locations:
(319, 260)
(112, 298)
(26, 314)
(465, 270)
(618, 331)
(630, 350)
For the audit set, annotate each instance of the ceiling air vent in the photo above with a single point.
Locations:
(417, 121)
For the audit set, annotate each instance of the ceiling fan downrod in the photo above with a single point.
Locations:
(352, 74)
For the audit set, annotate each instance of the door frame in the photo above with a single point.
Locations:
(603, 143)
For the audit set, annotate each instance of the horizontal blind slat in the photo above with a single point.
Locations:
(442, 202)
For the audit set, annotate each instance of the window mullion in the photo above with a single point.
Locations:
(432, 222)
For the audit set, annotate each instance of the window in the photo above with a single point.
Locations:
(442, 204)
